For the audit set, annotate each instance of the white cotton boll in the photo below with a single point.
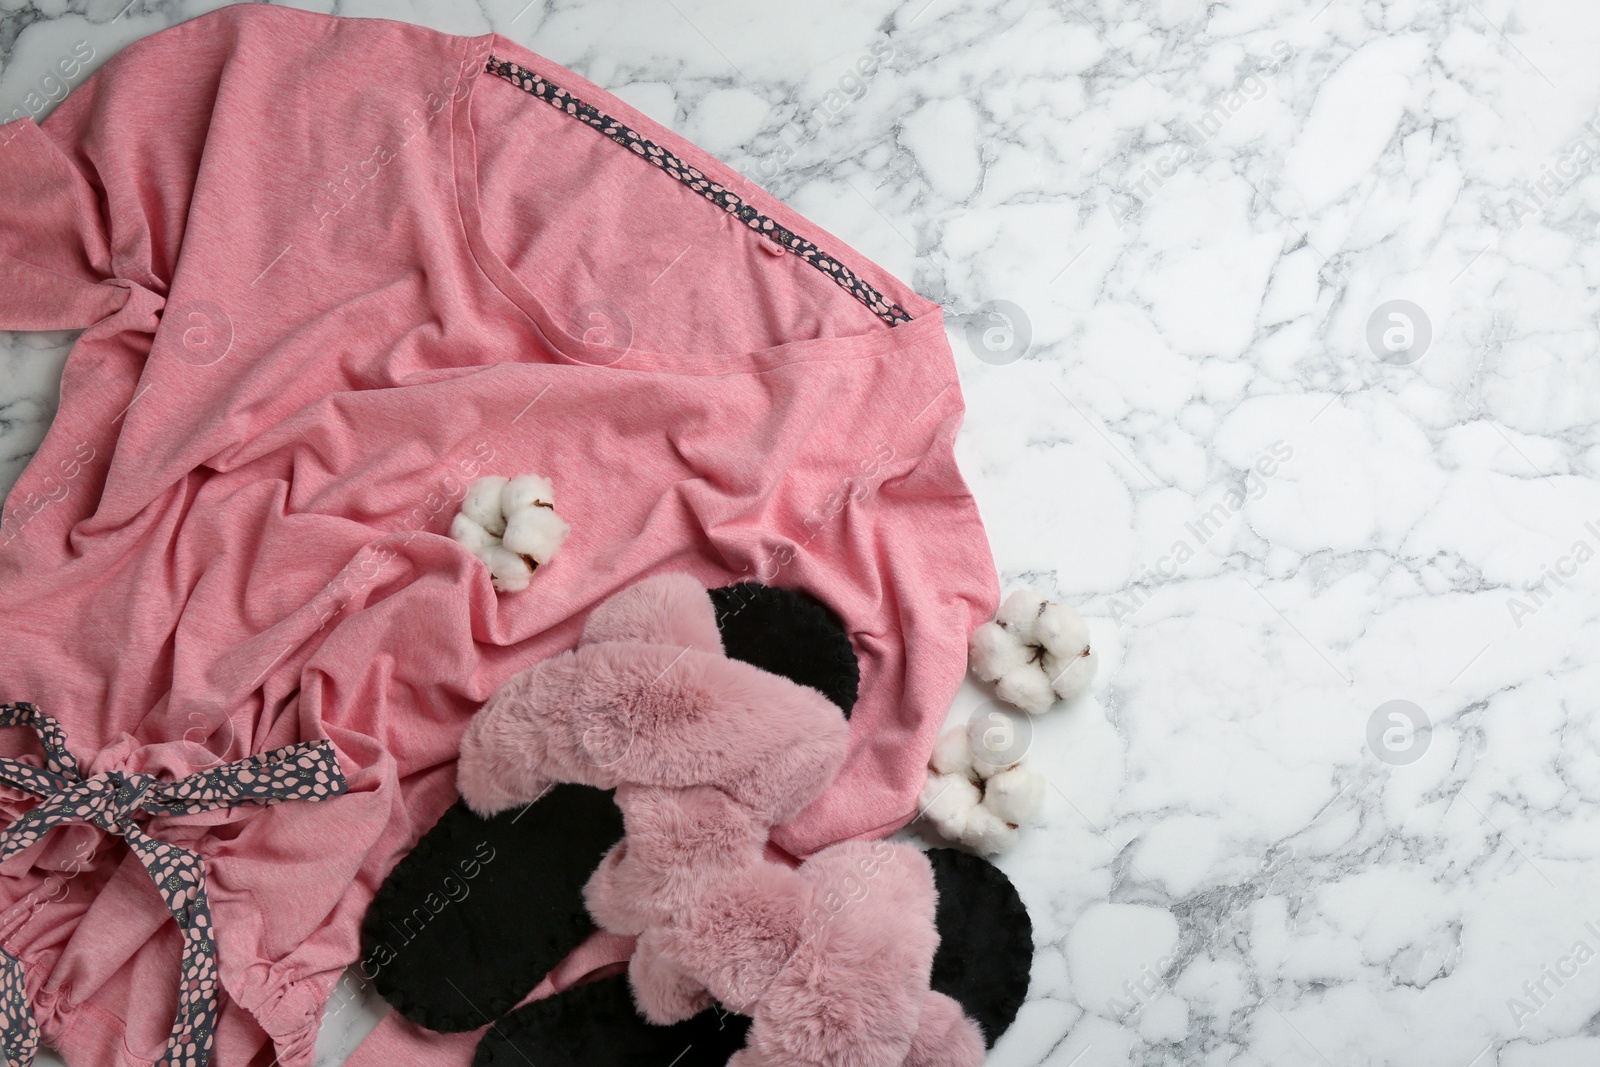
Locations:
(1028, 688)
(952, 754)
(1036, 652)
(482, 504)
(1061, 630)
(996, 652)
(536, 532)
(1019, 613)
(947, 800)
(1015, 795)
(1074, 677)
(471, 535)
(509, 571)
(994, 744)
(987, 833)
(524, 491)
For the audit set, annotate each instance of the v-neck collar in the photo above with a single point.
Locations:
(877, 340)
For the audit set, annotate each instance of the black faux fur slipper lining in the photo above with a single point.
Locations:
(482, 909)
(985, 940)
(596, 1024)
(790, 633)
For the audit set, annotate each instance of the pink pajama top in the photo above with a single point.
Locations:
(328, 272)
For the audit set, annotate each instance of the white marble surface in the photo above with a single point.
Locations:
(1197, 292)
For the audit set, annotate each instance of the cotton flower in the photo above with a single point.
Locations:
(536, 532)
(947, 799)
(952, 754)
(509, 572)
(467, 530)
(525, 491)
(1015, 795)
(482, 504)
(1035, 651)
(987, 834)
(512, 526)
(972, 802)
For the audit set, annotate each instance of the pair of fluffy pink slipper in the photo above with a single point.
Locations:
(832, 959)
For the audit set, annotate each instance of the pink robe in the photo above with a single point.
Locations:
(329, 271)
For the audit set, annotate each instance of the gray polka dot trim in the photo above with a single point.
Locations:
(112, 800)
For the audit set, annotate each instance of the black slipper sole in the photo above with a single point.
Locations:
(985, 953)
(481, 910)
(597, 1024)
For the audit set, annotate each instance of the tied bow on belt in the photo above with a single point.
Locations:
(111, 801)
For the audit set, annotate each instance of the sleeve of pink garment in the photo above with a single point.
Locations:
(328, 273)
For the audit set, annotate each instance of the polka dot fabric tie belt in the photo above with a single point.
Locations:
(112, 801)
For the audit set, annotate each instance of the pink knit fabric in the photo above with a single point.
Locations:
(329, 272)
